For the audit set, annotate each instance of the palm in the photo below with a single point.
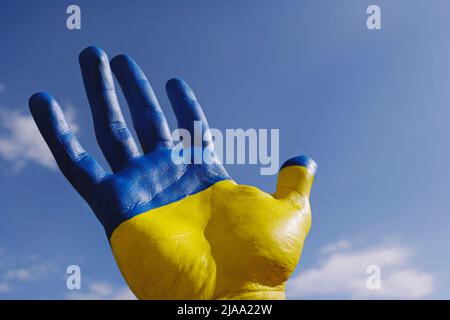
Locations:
(148, 182)
(241, 241)
(176, 230)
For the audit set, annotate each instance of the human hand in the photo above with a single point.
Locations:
(177, 231)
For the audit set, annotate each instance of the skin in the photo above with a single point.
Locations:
(177, 231)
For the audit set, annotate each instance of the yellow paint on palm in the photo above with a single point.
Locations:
(228, 241)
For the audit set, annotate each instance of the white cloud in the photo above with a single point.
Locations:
(342, 274)
(29, 273)
(4, 288)
(21, 142)
(336, 246)
(17, 270)
(20, 274)
(99, 290)
(2, 87)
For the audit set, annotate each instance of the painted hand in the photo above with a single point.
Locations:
(177, 231)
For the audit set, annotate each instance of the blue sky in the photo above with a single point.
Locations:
(371, 107)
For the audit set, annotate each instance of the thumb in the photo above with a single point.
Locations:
(296, 176)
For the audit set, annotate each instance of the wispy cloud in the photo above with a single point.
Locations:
(18, 270)
(342, 273)
(27, 276)
(100, 290)
(29, 273)
(2, 87)
(21, 143)
(336, 246)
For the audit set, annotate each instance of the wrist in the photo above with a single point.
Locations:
(255, 295)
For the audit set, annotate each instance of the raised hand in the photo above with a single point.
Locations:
(177, 231)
